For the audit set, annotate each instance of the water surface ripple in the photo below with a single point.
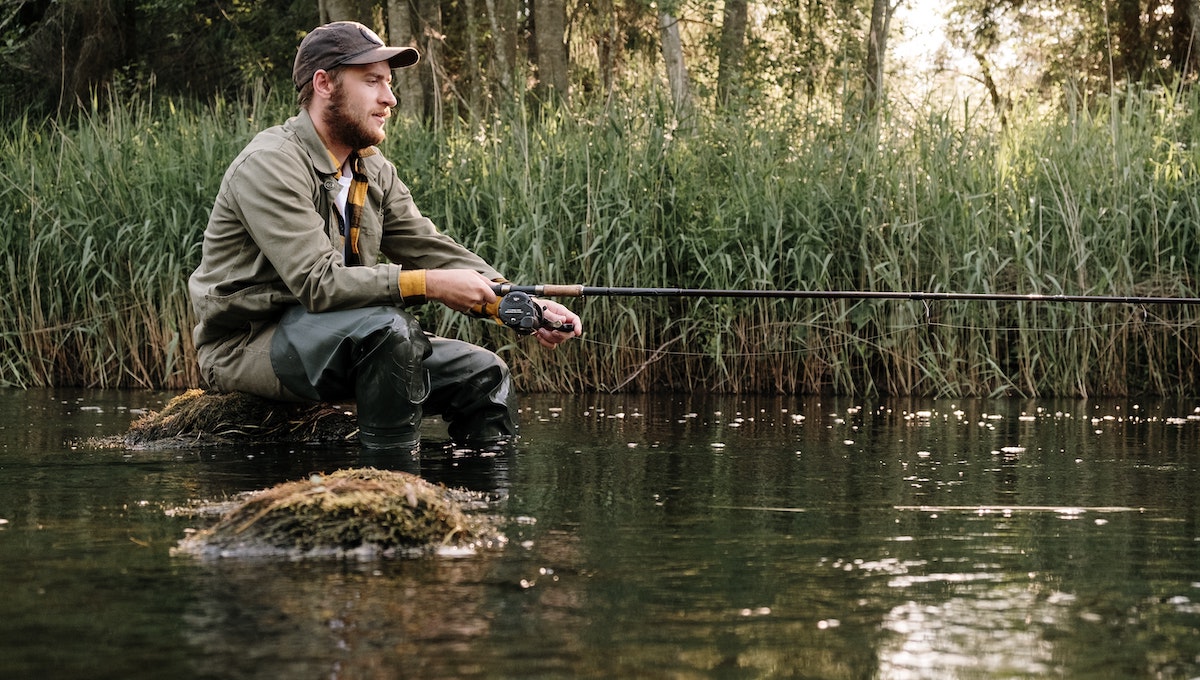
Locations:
(659, 536)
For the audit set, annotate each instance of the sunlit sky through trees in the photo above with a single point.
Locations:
(921, 61)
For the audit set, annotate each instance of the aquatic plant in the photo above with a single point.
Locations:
(1092, 197)
(359, 511)
(1097, 199)
(198, 418)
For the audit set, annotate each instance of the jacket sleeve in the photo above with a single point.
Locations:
(412, 240)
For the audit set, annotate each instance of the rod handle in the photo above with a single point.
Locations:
(547, 290)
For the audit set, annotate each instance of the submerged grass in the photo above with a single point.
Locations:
(1099, 198)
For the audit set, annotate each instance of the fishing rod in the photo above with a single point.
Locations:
(519, 312)
(573, 290)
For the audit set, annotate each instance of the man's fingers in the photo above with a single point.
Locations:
(459, 289)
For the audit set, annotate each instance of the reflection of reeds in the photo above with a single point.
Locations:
(1098, 199)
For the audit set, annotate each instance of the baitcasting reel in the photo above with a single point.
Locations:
(521, 313)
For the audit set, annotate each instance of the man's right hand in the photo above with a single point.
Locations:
(458, 289)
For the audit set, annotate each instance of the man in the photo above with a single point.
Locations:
(293, 298)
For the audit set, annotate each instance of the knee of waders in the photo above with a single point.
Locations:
(392, 359)
(404, 339)
(475, 377)
(483, 410)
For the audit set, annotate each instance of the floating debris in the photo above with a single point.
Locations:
(199, 418)
(361, 512)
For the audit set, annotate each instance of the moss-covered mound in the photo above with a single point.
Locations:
(198, 418)
(361, 511)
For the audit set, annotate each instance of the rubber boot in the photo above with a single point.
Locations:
(391, 385)
(472, 390)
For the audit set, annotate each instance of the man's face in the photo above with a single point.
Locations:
(360, 104)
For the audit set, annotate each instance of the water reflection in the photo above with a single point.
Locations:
(943, 639)
(923, 540)
(420, 617)
(649, 536)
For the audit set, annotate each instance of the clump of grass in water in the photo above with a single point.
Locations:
(197, 418)
(349, 512)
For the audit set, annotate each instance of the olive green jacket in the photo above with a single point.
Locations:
(274, 240)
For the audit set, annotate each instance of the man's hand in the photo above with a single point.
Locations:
(550, 339)
(458, 289)
(464, 290)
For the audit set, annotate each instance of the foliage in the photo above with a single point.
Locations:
(105, 218)
(1101, 198)
(64, 56)
(1040, 47)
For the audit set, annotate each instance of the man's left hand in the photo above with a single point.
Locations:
(553, 311)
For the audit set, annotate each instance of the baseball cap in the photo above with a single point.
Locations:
(345, 42)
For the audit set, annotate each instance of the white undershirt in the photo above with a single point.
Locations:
(344, 193)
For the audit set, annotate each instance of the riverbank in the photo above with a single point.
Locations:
(1097, 197)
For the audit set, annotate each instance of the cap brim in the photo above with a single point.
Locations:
(396, 57)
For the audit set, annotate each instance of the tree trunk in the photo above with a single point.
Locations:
(549, 28)
(733, 50)
(402, 32)
(78, 46)
(475, 94)
(677, 73)
(999, 101)
(430, 37)
(877, 35)
(1129, 60)
(609, 44)
(345, 10)
(1185, 33)
(502, 17)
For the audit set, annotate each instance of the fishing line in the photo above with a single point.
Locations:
(1142, 318)
(847, 338)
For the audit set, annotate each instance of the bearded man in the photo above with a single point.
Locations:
(315, 251)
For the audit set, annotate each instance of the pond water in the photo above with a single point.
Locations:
(662, 536)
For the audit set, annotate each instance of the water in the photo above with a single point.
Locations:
(650, 537)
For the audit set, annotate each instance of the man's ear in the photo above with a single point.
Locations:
(322, 83)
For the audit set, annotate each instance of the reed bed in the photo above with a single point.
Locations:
(1099, 198)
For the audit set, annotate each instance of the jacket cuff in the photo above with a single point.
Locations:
(412, 286)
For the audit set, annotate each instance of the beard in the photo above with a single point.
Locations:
(346, 128)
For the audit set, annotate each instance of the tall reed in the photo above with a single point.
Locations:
(104, 224)
(1091, 198)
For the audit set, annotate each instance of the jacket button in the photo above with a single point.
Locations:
(331, 184)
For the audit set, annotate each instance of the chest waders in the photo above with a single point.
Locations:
(380, 357)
